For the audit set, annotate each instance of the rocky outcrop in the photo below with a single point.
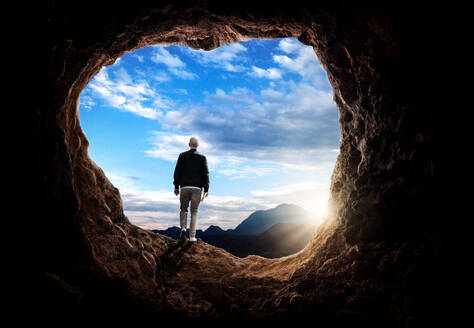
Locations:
(378, 255)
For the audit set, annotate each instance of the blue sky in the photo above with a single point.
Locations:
(262, 110)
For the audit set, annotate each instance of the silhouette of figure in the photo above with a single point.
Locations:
(192, 175)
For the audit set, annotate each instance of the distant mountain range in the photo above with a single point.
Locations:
(277, 232)
(260, 221)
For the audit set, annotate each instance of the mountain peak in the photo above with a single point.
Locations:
(213, 229)
(259, 221)
(286, 205)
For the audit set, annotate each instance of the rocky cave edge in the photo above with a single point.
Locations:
(377, 259)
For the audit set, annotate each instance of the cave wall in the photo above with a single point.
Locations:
(385, 198)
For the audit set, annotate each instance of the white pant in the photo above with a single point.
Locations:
(194, 196)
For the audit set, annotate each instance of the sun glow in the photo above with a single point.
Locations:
(317, 205)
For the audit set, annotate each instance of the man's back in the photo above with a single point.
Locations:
(191, 170)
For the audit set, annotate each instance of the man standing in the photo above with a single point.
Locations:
(192, 175)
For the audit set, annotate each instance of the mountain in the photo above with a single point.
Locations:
(214, 230)
(174, 232)
(256, 223)
(276, 232)
(280, 240)
(260, 221)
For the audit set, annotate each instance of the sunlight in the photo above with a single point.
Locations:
(317, 205)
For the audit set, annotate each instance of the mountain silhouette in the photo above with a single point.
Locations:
(277, 232)
(213, 230)
(280, 240)
(174, 232)
(260, 221)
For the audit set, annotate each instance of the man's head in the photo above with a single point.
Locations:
(193, 143)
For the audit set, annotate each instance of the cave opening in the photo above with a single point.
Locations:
(266, 120)
(379, 261)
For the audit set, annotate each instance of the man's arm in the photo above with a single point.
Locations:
(205, 175)
(177, 173)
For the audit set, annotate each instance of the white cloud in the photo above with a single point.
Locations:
(138, 57)
(87, 102)
(244, 171)
(138, 109)
(163, 102)
(289, 45)
(182, 73)
(138, 92)
(168, 145)
(272, 94)
(269, 73)
(237, 96)
(161, 55)
(173, 63)
(302, 60)
(125, 94)
(181, 91)
(161, 76)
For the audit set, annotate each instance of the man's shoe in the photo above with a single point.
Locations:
(182, 237)
(192, 240)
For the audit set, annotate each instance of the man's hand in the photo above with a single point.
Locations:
(204, 196)
(176, 192)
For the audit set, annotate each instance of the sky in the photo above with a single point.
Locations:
(262, 110)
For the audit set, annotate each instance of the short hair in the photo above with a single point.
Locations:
(193, 142)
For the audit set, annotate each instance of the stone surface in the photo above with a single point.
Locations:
(379, 259)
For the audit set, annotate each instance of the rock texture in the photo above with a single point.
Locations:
(379, 259)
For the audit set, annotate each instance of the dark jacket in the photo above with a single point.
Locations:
(191, 170)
